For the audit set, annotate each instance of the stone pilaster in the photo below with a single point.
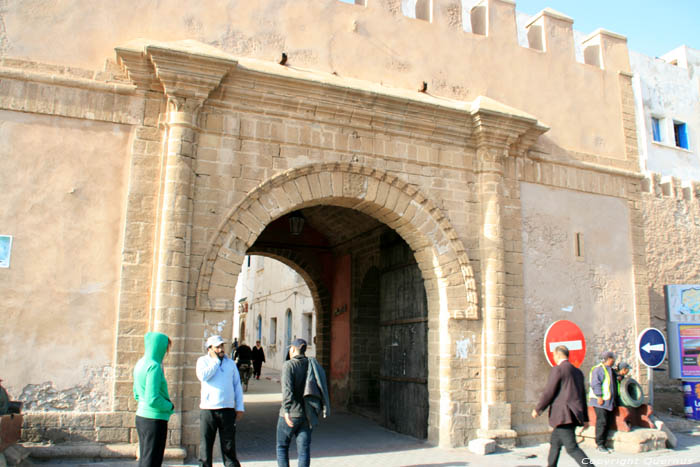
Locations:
(186, 77)
(500, 132)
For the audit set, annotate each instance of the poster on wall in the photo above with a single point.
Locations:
(689, 347)
(683, 301)
(5, 250)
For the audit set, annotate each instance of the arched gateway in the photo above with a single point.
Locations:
(244, 145)
(443, 282)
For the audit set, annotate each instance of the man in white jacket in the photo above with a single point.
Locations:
(221, 403)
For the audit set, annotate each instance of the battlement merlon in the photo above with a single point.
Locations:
(611, 50)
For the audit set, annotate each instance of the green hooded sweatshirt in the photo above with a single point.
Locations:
(150, 387)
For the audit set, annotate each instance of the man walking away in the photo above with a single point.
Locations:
(154, 406)
(221, 403)
(304, 391)
(565, 395)
(601, 397)
(243, 354)
(258, 359)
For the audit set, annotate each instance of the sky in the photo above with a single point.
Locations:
(652, 27)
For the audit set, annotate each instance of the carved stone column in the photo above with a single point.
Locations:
(187, 75)
(500, 132)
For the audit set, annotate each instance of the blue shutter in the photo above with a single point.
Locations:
(656, 131)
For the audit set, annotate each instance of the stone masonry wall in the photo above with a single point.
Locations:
(672, 231)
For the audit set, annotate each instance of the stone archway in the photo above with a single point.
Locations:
(439, 253)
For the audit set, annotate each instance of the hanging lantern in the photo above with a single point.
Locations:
(296, 223)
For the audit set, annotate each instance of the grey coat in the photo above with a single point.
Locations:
(316, 400)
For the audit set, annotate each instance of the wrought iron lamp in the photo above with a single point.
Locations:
(296, 223)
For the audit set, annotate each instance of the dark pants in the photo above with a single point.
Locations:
(152, 436)
(210, 421)
(564, 435)
(603, 420)
(302, 431)
(257, 366)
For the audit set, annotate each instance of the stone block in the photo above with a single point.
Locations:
(671, 440)
(482, 446)
(113, 435)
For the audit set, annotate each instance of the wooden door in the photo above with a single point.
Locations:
(403, 337)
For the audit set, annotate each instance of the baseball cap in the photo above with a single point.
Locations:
(214, 341)
(299, 344)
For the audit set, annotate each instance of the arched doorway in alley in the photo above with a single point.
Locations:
(381, 263)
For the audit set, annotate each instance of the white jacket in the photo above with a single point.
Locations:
(221, 384)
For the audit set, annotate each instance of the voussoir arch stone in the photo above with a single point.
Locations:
(440, 253)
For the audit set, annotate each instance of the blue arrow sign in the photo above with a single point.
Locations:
(651, 347)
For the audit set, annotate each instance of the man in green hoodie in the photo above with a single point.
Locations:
(154, 406)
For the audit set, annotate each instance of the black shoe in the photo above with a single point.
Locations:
(603, 449)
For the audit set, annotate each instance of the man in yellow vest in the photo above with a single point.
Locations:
(601, 396)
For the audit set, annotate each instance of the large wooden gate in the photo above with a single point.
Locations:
(403, 335)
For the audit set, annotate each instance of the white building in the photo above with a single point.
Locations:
(275, 307)
(667, 104)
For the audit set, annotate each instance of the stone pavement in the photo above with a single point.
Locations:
(348, 440)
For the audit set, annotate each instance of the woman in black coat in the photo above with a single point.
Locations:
(258, 359)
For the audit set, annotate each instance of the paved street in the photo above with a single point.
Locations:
(347, 440)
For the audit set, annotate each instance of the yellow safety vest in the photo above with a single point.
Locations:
(606, 384)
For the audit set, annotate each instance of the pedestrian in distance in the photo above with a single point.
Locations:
(258, 355)
(154, 405)
(243, 354)
(601, 395)
(304, 399)
(565, 395)
(221, 403)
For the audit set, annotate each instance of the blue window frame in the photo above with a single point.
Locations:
(656, 129)
(680, 132)
(259, 327)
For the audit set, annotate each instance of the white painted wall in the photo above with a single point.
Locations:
(272, 288)
(670, 92)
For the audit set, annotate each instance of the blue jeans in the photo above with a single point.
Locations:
(302, 431)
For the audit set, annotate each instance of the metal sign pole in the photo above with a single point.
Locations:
(650, 377)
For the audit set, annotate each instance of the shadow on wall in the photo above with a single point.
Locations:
(668, 393)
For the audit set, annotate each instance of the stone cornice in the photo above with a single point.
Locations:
(66, 81)
(183, 70)
(394, 112)
(503, 128)
(355, 108)
(188, 70)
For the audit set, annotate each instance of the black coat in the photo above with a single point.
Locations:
(565, 394)
(258, 355)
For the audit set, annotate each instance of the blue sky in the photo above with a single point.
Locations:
(652, 27)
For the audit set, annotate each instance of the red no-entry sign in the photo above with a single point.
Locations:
(565, 333)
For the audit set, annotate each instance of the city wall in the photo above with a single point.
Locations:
(205, 133)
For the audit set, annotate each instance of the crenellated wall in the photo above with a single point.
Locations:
(672, 231)
(375, 42)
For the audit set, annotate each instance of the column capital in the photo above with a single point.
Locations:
(186, 71)
(502, 129)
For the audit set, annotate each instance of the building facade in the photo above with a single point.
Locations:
(667, 97)
(460, 193)
(274, 307)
